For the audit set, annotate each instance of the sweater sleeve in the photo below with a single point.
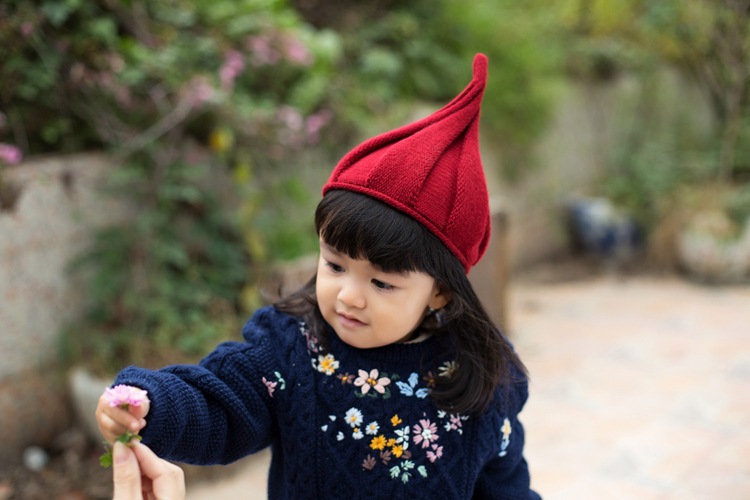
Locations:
(215, 412)
(505, 474)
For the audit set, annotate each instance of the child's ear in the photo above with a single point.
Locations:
(440, 297)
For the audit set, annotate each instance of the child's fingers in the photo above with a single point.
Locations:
(114, 421)
(141, 411)
(109, 428)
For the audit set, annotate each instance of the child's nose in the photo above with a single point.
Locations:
(352, 295)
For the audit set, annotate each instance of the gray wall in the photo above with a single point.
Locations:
(51, 221)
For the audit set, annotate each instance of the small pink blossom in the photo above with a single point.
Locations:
(125, 395)
(271, 386)
(199, 91)
(10, 154)
(435, 453)
(233, 65)
(370, 380)
(314, 123)
(425, 434)
(262, 51)
(296, 51)
(455, 422)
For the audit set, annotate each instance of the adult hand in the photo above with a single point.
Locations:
(138, 474)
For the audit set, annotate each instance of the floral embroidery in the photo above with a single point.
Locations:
(372, 428)
(327, 364)
(369, 463)
(425, 434)
(353, 417)
(506, 429)
(271, 385)
(447, 369)
(378, 442)
(454, 423)
(403, 437)
(312, 343)
(435, 453)
(367, 381)
(407, 389)
(388, 446)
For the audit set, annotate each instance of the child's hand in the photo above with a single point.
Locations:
(114, 421)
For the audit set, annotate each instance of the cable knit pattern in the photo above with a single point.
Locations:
(346, 423)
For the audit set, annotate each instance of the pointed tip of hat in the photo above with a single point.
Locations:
(480, 67)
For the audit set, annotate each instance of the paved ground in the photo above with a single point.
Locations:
(640, 390)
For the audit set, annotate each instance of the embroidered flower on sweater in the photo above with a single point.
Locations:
(378, 442)
(447, 369)
(327, 364)
(408, 388)
(506, 430)
(425, 432)
(435, 453)
(313, 346)
(372, 428)
(353, 417)
(271, 385)
(452, 421)
(372, 380)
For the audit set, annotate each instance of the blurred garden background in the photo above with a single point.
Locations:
(160, 162)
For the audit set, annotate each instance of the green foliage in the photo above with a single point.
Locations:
(165, 284)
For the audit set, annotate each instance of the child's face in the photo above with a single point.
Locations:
(368, 307)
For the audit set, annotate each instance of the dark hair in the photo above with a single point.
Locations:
(365, 228)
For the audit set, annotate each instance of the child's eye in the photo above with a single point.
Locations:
(334, 267)
(381, 285)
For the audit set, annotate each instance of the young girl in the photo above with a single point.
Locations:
(383, 377)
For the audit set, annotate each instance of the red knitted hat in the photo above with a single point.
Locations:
(430, 170)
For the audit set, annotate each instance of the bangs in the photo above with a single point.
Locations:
(365, 228)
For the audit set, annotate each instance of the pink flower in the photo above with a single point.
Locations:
(271, 386)
(370, 380)
(425, 434)
(296, 51)
(437, 453)
(455, 421)
(10, 154)
(233, 65)
(263, 52)
(125, 395)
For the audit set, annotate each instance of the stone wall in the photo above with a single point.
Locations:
(52, 219)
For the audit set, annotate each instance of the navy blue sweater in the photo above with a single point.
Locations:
(348, 423)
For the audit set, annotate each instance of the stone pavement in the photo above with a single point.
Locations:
(640, 389)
